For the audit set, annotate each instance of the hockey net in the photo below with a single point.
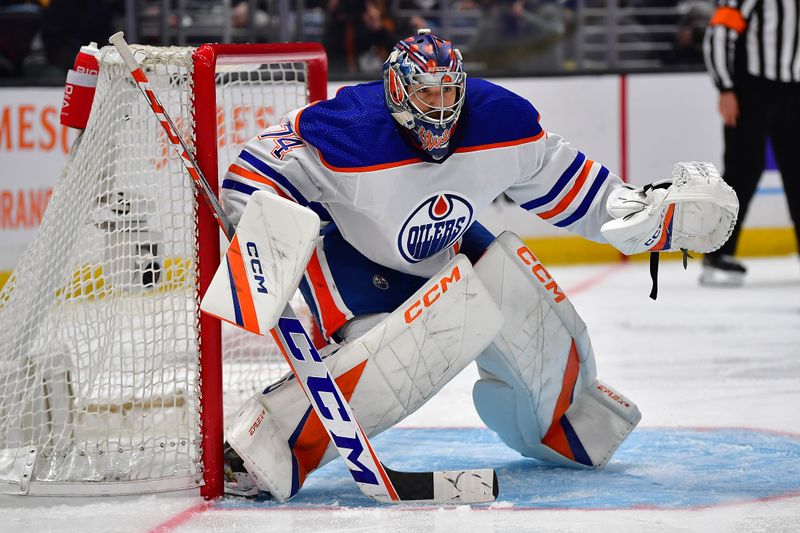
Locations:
(109, 375)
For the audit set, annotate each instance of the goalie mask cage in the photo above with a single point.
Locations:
(111, 380)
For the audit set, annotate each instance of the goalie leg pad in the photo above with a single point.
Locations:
(538, 387)
(277, 434)
(585, 435)
(386, 374)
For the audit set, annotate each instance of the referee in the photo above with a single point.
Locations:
(752, 50)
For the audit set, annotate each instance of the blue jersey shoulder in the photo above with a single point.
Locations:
(493, 114)
(355, 129)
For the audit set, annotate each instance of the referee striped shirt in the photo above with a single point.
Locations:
(759, 37)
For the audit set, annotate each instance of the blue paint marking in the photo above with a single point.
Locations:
(654, 468)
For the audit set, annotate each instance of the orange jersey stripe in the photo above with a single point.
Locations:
(249, 174)
(570, 196)
(370, 168)
(414, 160)
(730, 17)
(411, 161)
(500, 144)
(555, 437)
(330, 315)
(242, 285)
(297, 118)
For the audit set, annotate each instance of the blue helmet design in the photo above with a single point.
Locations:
(424, 87)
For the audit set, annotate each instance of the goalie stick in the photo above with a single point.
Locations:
(375, 480)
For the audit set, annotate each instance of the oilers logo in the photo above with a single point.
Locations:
(434, 225)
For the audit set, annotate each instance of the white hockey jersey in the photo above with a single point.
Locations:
(348, 160)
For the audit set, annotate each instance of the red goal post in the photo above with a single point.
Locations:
(206, 60)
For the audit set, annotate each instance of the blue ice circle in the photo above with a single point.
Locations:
(654, 468)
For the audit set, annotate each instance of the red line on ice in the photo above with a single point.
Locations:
(596, 279)
(181, 518)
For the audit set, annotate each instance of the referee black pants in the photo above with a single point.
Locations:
(766, 109)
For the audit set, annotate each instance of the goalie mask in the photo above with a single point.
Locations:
(424, 86)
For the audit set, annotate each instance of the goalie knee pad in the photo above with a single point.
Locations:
(386, 374)
(538, 389)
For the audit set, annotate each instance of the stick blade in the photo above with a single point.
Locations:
(465, 486)
(446, 487)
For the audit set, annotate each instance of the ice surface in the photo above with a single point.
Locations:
(715, 372)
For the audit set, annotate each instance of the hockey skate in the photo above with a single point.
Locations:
(722, 271)
(237, 480)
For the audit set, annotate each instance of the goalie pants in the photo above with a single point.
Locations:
(341, 284)
(767, 109)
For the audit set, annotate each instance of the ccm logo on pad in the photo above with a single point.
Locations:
(255, 265)
(431, 295)
(541, 273)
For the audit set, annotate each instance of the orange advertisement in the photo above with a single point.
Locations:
(33, 149)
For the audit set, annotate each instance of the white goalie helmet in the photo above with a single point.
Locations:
(424, 86)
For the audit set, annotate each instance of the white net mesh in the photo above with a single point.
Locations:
(99, 362)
